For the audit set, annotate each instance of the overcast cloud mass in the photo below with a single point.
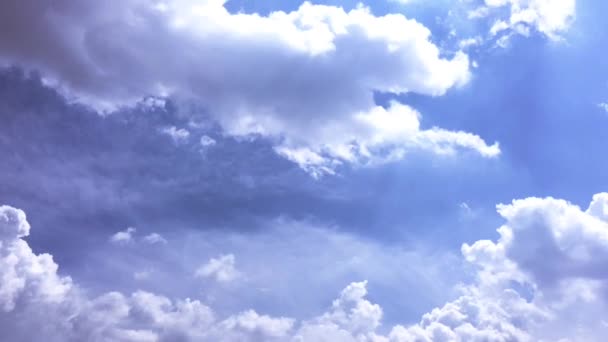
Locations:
(386, 171)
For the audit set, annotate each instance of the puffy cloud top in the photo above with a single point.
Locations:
(543, 279)
(13, 224)
(305, 78)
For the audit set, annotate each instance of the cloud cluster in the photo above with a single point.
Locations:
(35, 301)
(543, 279)
(549, 17)
(307, 81)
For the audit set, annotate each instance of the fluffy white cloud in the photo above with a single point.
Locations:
(23, 272)
(221, 269)
(123, 237)
(304, 78)
(37, 303)
(550, 17)
(382, 134)
(351, 318)
(544, 279)
(251, 322)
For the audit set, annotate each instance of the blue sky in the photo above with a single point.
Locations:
(287, 171)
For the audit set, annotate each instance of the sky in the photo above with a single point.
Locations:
(242, 170)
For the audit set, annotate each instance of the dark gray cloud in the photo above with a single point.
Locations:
(84, 177)
(75, 171)
(104, 173)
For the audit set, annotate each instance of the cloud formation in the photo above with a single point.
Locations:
(550, 18)
(308, 80)
(154, 238)
(222, 269)
(123, 237)
(177, 134)
(36, 302)
(543, 279)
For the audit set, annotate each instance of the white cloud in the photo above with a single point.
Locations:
(123, 237)
(498, 27)
(479, 12)
(470, 42)
(177, 134)
(253, 323)
(207, 141)
(351, 318)
(549, 17)
(13, 223)
(22, 272)
(222, 269)
(154, 238)
(304, 78)
(151, 103)
(544, 279)
(36, 303)
(127, 236)
(395, 129)
(604, 106)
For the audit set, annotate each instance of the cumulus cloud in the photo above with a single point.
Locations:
(222, 269)
(123, 237)
(22, 272)
(351, 318)
(549, 17)
(307, 81)
(543, 279)
(36, 303)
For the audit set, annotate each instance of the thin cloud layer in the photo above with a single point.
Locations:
(308, 79)
(543, 279)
